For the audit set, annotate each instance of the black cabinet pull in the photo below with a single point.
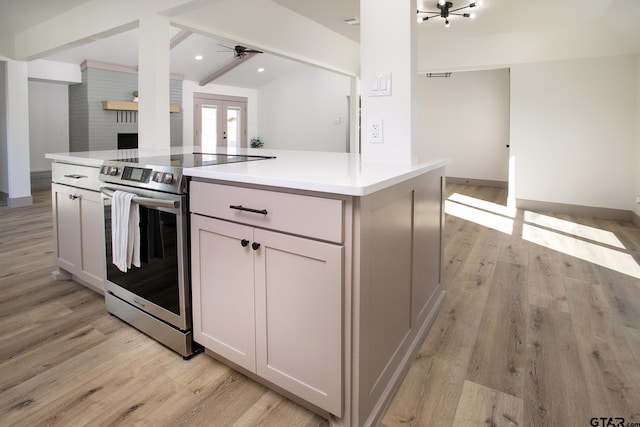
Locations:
(255, 246)
(241, 208)
(244, 243)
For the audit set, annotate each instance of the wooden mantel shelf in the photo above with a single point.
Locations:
(132, 106)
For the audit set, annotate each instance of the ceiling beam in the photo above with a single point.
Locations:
(179, 38)
(211, 77)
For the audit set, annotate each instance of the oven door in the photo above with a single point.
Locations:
(160, 285)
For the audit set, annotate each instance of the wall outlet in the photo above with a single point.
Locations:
(638, 199)
(375, 135)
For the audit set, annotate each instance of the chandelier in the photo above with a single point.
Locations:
(446, 10)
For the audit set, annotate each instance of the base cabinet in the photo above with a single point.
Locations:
(271, 303)
(78, 235)
(324, 296)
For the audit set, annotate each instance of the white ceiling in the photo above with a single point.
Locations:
(330, 13)
(525, 27)
(18, 15)
(122, 49)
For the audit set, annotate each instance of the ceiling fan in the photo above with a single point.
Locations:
(240, 51)
(240, 55)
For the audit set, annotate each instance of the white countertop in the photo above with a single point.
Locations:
(328, 172)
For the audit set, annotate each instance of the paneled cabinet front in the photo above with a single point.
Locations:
(271, 303)
(79, 240)
(223, 289)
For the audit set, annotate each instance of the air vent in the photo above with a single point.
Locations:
(352, 21)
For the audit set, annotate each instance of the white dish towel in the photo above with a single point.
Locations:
(125, 230)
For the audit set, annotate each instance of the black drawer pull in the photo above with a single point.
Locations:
(255, 246)
(241, 208)
(244, 243)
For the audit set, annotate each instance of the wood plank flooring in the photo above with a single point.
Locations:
(541, 327)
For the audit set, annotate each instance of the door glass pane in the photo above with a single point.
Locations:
(209, 126)
(233, 127)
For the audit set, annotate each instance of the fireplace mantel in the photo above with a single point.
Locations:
(131, 106)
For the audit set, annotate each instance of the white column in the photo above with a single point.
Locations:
(17, 134)
(354, 116)
(153, 83)
(388, 47)
(636, 206)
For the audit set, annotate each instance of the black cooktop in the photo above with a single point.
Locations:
(192, 159)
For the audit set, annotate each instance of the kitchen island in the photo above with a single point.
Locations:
(318, 274)
(314, 273)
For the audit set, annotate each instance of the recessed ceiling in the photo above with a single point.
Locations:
(122, 49)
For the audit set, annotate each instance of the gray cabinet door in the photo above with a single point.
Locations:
(222, 289)
(299, 316)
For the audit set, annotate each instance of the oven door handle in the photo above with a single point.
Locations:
(146, 201)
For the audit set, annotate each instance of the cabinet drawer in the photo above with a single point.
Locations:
(310, 216)
(76, 175)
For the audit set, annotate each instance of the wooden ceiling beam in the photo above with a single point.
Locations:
(211, 77)
(179, 38)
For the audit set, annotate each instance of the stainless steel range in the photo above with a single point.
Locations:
(156, 297)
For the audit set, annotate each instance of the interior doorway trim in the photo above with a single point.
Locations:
(222, 102)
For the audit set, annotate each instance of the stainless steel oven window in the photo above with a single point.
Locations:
(160, 285)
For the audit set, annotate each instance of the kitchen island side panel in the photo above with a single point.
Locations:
(399, 291)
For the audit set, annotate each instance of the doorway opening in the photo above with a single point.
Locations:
(219, 121)
(465, 116)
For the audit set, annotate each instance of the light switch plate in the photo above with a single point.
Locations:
(380, 84)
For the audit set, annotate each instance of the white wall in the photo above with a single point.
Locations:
(189, 87)
(636, 207)
(48, 122)
(466, 117)
(4, 175)
(17, 133)
(388, 45)
(306, 109)
(573, 131)
(54, 71)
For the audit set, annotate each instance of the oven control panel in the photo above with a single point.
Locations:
(136, 174)
(168, 179)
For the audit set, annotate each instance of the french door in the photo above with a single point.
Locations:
(220, 121)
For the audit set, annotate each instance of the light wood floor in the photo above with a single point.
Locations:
(541, 326)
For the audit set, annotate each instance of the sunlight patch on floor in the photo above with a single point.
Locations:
(484, 218)
(581, 241)
(483, 204)
(594, 253)
(569, 227)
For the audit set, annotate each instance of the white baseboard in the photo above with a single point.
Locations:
(564, 208)
(17, 202)
(478, 182)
